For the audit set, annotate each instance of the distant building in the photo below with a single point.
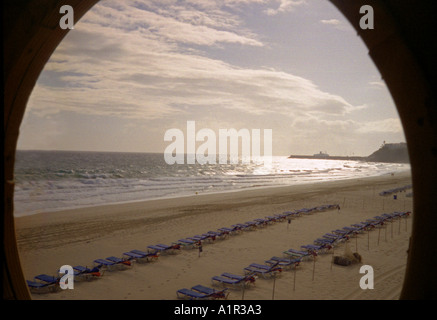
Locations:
(321, 155)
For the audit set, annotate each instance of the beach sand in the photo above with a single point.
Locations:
(49, 240)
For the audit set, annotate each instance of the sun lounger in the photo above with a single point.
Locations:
(164, 248)
(228, 231)
(353, 230)
(40, 288)
(233, 279)
(262, 222)
(311, 248)
(214, 235)
(303, 255)
(156, 249)
(186, 243)
(225, 280)
(109, 265)
(272, 219)
(86, 274)
(116, 260)
(47, 279)
(263, 266)
(212, 293)
(191, 294)
(45, 284)
(233, 276)
(145, 256)
(198, 238)
(284, 262)
(324, 242)
(266, 273)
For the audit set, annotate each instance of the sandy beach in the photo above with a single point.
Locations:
(49, 240)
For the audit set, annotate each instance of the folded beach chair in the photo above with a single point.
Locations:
(213, 294)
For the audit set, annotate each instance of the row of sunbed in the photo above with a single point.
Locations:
(44, 283)
(331, 239)
(395, 190)
(273, 266)
(292, 257)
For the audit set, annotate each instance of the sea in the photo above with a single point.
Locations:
(56, 180)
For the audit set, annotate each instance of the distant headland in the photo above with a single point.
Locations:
(388, 152)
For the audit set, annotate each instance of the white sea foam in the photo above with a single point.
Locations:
(48, 181)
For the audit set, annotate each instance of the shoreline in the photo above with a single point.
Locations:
(248, 190)
(78, 236)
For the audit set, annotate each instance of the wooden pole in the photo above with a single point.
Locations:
(314, 266)
(274, 284)
(400, 225)
(391, 229)
(244, 287)
(368, 239)
(332, 260)
(294, 281)
(379, 233)
(356, 242)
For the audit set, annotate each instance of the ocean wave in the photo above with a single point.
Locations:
(51, 181)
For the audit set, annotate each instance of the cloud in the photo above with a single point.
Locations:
(378, 84)
(132, 62)
(337, 24)
(285, 6)
(389, 125)
(172, 22)
(333, 22)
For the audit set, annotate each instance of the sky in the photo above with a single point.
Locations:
(131, 70)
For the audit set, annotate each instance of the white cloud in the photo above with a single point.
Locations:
(150, 61)
(120, 61)
(390, 125)
(285, 6)
(334, 22)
